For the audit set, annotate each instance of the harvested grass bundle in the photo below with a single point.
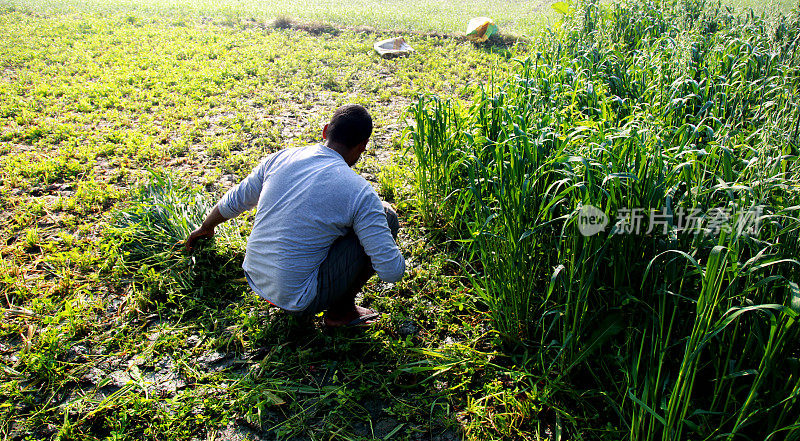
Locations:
(148, 235)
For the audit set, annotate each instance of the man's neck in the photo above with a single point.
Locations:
(341, 150)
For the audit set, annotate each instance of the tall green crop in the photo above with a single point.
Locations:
(676, 124)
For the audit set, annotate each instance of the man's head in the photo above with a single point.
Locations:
(348, 131)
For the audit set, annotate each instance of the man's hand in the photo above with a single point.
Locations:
(205, 231)
(194, 236)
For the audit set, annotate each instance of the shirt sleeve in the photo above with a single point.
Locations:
(244, 196)
(372, 229)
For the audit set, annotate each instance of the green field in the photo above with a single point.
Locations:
(435, 16)
(524, 17)
(121, 125)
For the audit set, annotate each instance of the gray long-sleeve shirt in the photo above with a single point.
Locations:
(306, 198)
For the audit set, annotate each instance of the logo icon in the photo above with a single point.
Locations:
(591, 220)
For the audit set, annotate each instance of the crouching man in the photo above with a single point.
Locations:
(320, 230)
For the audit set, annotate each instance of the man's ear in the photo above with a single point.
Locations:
(325, 132)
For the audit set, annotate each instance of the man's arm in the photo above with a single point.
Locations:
(237, 200)
(371, 227)
(206, 230)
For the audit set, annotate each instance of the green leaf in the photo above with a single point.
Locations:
(611, 326)
(795, 303)
(395, 430)
(561, 7)
(272, 399)
(743, 373)
(647, 408)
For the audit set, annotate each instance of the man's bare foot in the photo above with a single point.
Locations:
(358, 316)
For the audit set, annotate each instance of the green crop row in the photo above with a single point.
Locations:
(628, 205)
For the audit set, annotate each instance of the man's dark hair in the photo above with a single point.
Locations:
(350, 125)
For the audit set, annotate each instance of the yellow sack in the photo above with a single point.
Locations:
(481, 28)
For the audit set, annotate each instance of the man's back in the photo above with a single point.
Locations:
(307, 197)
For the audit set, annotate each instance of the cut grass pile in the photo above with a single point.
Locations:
(676, 123)
(148, 239)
